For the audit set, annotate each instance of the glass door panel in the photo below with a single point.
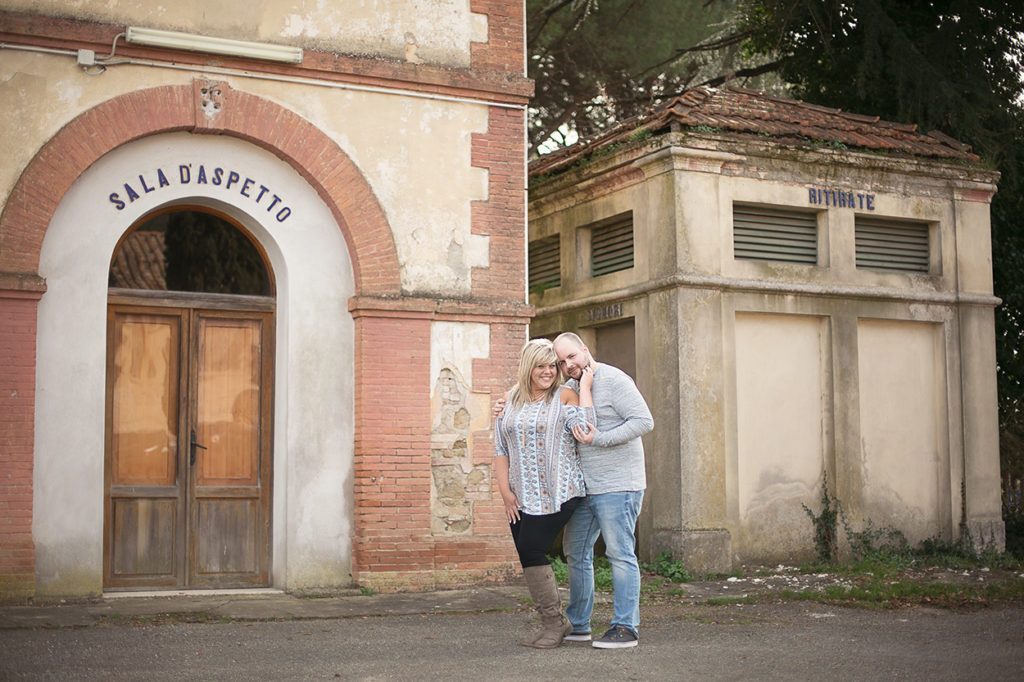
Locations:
(230, 474)
(145, 400)
(144, 514)
(228, 401)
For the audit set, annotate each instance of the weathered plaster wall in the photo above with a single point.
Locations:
(783, 401)
(436, 33)
(426, 184)
(904, 454)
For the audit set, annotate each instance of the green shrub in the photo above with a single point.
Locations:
(874, 542)
(670, 568)
(560, 569)
(602, 572)
(824, 525)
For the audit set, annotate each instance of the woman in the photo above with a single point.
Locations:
(538, 473)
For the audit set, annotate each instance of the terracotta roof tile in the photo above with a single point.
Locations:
(742, 111)
(139, 262)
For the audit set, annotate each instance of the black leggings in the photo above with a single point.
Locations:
(533, 535)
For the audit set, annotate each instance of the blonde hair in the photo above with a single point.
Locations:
(536, 352)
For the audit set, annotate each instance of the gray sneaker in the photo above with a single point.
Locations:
(575, 636)
(617, 637)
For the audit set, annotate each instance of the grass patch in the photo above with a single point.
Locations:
(726, 601)
(652, 584)
(874, 592)
(892, 563)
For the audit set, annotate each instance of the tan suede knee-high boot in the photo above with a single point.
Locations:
(544, 591)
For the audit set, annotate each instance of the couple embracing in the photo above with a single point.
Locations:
(571, 456)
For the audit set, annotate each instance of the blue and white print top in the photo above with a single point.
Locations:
(543, 468)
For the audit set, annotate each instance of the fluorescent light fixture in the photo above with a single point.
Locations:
(195, 43)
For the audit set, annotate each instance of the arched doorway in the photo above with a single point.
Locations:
(311, 258)
(188, 454)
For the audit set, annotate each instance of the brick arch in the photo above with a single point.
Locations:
(204, 107)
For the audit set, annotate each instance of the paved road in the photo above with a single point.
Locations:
(791, 641)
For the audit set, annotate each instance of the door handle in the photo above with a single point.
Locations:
(194, 445)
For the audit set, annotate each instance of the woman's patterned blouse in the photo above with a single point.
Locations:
(543, 467)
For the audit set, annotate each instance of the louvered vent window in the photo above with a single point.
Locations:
(891, 245)
(611, 246)
(774, 234)
(545, 267)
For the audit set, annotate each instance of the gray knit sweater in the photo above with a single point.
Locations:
(614, 462)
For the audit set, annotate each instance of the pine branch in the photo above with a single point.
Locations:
(711, 46)
(744, 73)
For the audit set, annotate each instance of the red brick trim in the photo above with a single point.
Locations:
(488, 78)
(504, 49)
(178, 108)
(392, 446)
(501, 150)
(17, 433)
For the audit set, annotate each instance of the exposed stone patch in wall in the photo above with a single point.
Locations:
(456, 482)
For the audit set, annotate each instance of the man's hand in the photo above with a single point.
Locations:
(585, 436)
(499, 406)
(587, 377)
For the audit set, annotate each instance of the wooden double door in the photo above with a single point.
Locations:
(188, 448)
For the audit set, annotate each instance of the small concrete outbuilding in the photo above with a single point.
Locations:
(804, 296)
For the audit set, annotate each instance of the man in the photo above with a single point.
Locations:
(612, 457)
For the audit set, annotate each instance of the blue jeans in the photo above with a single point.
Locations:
(613, 516)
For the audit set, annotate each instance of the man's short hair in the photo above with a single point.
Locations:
(569, 336)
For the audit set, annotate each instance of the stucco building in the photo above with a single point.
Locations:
(802, 294)
(307, 408)
(261, 277)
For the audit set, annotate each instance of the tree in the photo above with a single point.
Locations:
(205, 253)
(597, 62)
(950, 65)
